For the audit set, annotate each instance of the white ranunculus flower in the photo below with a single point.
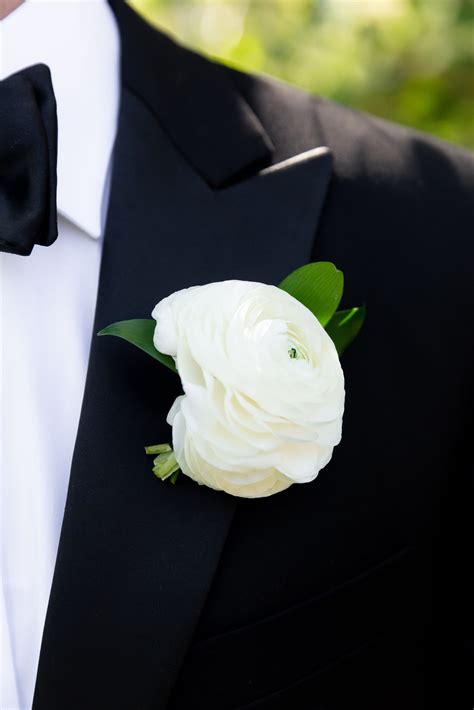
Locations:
(263, 387)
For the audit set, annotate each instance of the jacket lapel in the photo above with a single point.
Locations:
(137, 556)
(222, 139)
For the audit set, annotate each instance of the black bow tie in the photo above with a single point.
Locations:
(28, 154)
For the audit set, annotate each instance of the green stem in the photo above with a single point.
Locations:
(157, 449)
(174, 476)
(165, 465)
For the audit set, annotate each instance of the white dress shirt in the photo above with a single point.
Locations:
(47, 303)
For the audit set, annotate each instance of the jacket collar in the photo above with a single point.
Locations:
(223, 140)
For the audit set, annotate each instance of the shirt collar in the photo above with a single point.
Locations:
(79, 41)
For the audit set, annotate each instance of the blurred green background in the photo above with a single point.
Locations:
(410, 61)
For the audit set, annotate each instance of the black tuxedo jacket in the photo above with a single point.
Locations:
(349, 592)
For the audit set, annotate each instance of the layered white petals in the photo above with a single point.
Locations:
(263, 387)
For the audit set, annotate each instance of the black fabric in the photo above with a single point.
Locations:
(28, 154)
(222, 139)
(116, 519)
(352, 591)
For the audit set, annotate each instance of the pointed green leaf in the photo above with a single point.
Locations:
(344, 326)
(318, 286)
(139, 332)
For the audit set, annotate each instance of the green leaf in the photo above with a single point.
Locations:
(318, 286)
(139, 332)
(344, 326)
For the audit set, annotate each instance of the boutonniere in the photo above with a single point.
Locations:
(263, 387)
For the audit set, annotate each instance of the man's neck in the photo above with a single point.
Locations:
(7, 6)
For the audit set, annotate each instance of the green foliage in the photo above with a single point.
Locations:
(411, 61)
(345, 326)
(318, 286)
(139, 332)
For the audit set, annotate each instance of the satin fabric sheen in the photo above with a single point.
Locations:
(28, 150)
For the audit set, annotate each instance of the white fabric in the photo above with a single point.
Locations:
(47, 303)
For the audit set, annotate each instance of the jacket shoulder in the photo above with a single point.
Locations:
(361, 143)
(389, 151)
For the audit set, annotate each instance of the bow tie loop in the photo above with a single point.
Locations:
(28, 158)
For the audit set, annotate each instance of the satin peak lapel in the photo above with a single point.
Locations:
(137, 556)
